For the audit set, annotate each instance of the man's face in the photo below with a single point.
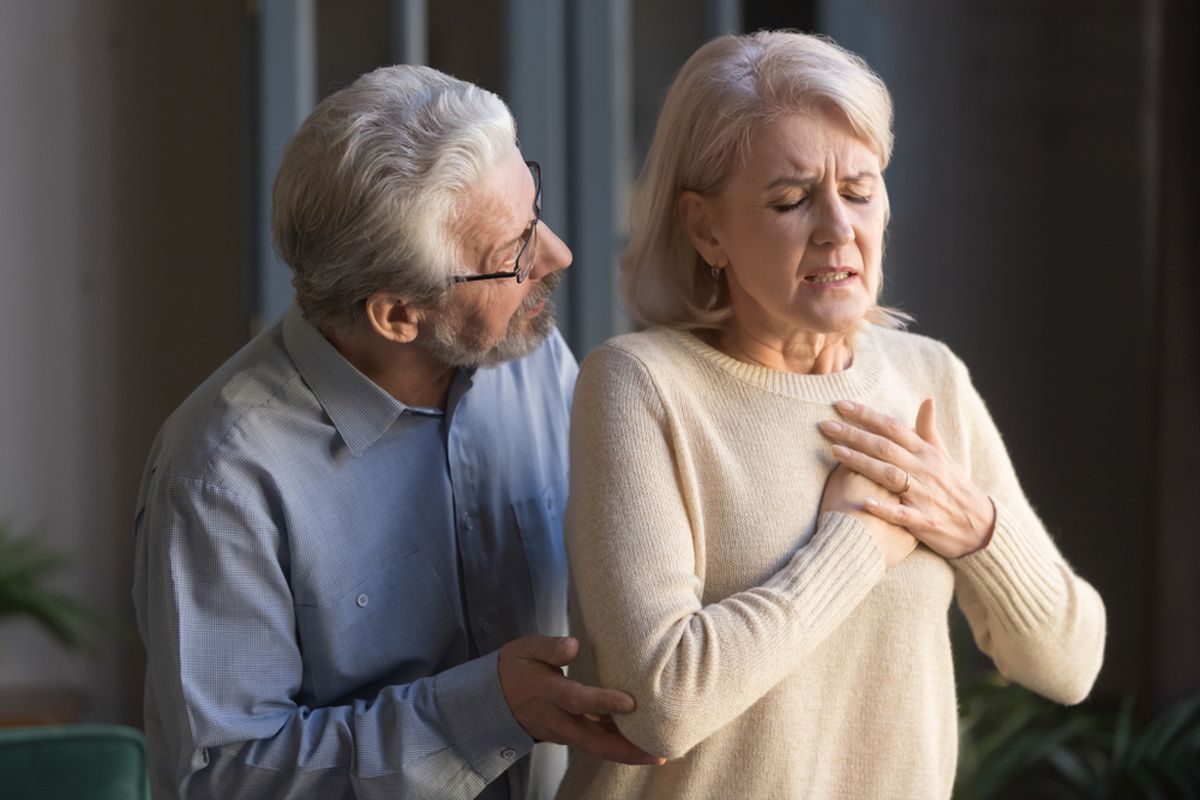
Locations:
(487, 322)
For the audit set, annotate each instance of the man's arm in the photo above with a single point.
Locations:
(215, 610)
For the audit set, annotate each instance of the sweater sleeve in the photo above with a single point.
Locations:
(633, 553)
(1042, 625)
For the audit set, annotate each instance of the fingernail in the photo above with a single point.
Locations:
(871, 501)
(841, 452)
(829, 426)
(844, 405)
(627, 705)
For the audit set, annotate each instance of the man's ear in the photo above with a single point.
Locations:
(697, 213)
(392, 318)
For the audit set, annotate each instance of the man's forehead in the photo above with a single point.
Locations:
(497, 210)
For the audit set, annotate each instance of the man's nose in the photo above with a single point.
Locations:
(552, 253)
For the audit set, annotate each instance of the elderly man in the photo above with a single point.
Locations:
(349, 537)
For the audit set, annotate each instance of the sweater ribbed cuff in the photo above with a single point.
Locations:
(831, 575)
(1018, 574)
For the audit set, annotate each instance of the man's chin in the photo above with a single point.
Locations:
(524, 335)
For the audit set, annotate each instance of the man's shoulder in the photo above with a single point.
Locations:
(253, 393)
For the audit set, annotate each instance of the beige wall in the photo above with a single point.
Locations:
(124, 203)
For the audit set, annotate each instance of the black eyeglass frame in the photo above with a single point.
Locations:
(520, 272)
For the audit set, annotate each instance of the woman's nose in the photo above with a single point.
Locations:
(833, 224)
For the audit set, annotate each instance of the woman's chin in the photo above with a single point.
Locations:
(833, 321)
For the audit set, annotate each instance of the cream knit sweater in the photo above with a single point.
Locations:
(770, 652)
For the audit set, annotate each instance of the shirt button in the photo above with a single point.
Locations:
(467, 523)
(508, 754)
(485, 625)
(362, 600)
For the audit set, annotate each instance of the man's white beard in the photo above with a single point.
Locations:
(458, 342)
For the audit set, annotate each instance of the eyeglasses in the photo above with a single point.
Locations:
(525, 248)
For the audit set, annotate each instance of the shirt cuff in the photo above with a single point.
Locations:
(1019, 572)
(482, 728)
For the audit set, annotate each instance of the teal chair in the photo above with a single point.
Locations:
(73, 762)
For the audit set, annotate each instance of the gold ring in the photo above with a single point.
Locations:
(907, 484)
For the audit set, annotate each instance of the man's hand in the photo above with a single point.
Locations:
(553, 708)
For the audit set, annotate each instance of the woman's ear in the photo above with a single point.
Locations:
(392, 318)
(697, 213)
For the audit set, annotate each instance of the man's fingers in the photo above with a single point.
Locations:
(592, 738)
(558, 651)
(576, 698)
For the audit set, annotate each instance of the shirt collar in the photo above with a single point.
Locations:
(360, 410)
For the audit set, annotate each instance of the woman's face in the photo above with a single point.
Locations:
(800, 228)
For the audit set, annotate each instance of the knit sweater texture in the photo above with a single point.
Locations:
(770, 652)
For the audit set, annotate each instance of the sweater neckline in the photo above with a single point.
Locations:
(857, 381)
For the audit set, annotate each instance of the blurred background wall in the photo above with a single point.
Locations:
(1043, 191)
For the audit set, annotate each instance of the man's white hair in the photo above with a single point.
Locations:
(370, 186)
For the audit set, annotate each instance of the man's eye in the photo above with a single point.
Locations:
(860, 199)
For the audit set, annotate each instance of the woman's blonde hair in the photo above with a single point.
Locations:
(726, 91)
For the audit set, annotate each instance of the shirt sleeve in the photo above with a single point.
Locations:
(224, 665)
(1042, 625)
(565, 366)
(691, 667)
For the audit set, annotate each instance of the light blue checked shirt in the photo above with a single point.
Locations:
(324, 576)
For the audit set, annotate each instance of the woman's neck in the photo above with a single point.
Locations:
(805, 353)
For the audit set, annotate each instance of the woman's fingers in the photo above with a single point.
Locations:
(926, 425)
(881, 425)
(896, 513)
(887, 475)
(868, 443)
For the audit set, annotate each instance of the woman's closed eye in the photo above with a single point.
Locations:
(849, 197)
(783, 206)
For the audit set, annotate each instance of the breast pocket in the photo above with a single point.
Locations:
(540, 521)
(396, 626)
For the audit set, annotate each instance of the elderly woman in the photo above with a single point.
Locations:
(775, 493)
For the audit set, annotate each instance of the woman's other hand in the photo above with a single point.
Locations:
(849, 492)
(929, 494)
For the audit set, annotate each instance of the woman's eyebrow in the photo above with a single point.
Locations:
(806, 179)
(791, 180)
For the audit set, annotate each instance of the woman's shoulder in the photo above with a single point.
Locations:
(895, 343)
(652, 350)
(916, 354)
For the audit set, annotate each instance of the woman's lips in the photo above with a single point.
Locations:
(830, 277)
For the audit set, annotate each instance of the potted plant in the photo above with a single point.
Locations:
(26, 562)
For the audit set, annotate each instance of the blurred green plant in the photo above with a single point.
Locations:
(26, 563)
(1014, 744)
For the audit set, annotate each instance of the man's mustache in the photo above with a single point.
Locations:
(542, 290)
